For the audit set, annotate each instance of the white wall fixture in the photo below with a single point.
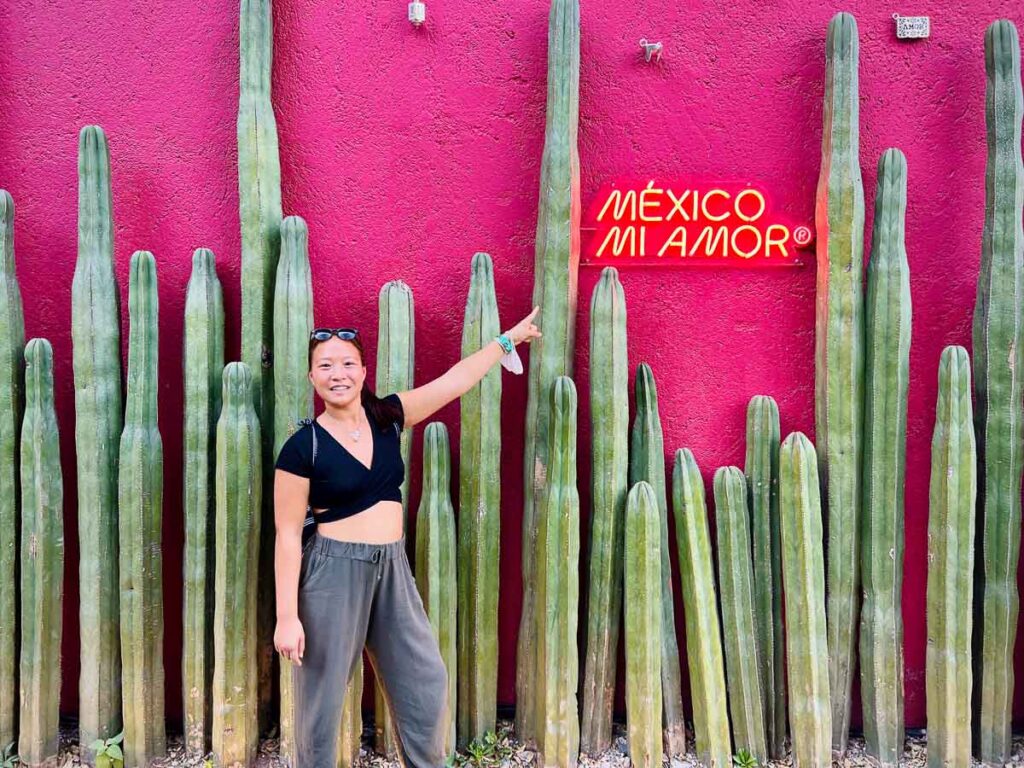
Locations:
(417, 12)
(912, 27)
(651, 49)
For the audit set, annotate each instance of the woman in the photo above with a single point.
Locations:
(351, 584)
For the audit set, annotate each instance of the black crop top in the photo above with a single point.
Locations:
(339, 483)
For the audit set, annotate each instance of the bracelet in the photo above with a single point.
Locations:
(505, 343)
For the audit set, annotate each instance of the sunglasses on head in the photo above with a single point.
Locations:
(323, 334)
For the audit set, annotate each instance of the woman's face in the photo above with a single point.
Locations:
(338, 372)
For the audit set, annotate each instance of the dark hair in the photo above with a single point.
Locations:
(382, 413)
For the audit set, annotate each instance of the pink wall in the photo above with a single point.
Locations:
(407, 150)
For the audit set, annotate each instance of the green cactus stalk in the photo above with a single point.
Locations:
(293, 394)
(350, 735)
(951, 526)
(642, 568)
(839, 356)
(235, 678)
(703, 637)
(435, 557)
(395, 356)
(558, 589)
(736, 580)
(203, 362)
(887, 373)
(140, 509)
(762, 471)
(647, 462)
(556, 266)
(803, 569)
(42, 568)
(479, 518)
(998, 360)
(609, 418)
(12, 404)
(96, 359)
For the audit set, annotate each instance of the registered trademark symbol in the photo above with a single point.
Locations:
(802, 235)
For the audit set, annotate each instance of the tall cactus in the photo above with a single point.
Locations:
(951, 524)
(96, 356)
(885, 438)
(647, 462)
(554, 291)
(293, 395)
(642, 544)
(350, 734)
(762, 471)
(239, 456)
(12, 403)
(703, 637)
(736, 581)
(479, 518)
(435, 557)
(803, 569)
(998, 360)
(839, 355)
(42, 568)
(609, 466)
(558, 589)
(203, 361)
(140, 508)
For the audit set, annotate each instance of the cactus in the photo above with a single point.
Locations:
(435, 557)
(643, 621)
(736, 580)
(951, 524)
(839, 355)
(803, 571)
(479, 518)
(293, 394)
(96, 337)
(554, 290)
(351, 733)
(887, 367)
(762, 471)
(703, 638)
(239, 456)
(140, 506)
(12, 403)
(998, 358)
(42, 568)
(558, 589)
(647, 462)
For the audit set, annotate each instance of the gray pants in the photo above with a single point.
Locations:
(353, 594)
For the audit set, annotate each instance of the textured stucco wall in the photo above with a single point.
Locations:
(407, 150)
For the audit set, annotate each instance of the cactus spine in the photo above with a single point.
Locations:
(885, 437)
(839, 355)
(998, 358)
(736, 579)
(643, 620)
(951, 524)
(293, 395)
(647, 462)
(42, 570)
(12, 403)
(140, 506)
(803, 570)
(96, 337)
(435, 556)
(703, 639)
(558, 589)
(203, 361)
(239, 456)
(609, 417)
(479, 518)
(762, 471)
(554, 291)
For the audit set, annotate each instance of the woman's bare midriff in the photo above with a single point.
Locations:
(380, 524)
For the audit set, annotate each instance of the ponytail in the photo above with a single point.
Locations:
(382, 413)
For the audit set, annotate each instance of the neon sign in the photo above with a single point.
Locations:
(689, 223)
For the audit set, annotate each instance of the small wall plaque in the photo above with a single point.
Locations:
(912, 27)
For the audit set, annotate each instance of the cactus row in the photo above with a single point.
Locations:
(554, 291)
(951, 524)
(96, 356)
(609, 418)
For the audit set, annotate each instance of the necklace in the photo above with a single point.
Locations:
(355, 434)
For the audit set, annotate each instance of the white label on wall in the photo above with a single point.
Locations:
(911, 27)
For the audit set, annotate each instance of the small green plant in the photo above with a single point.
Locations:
(490, 751)
(10, 758)
(108, 752)
(743, 759)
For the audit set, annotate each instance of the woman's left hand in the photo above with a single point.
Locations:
(525, 330)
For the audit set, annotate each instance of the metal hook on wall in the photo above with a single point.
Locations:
(651, 49)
